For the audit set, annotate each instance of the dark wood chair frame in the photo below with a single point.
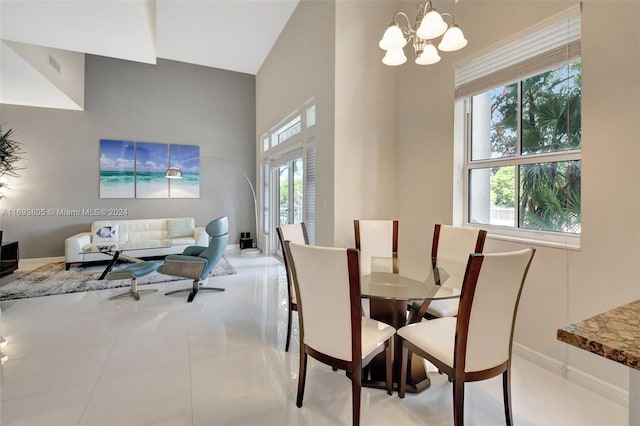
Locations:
(292, 306)
(356, 229)
(457, 373)
(354, 367)
(482, 236)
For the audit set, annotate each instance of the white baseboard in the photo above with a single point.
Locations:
(37, 261)
(587, 381)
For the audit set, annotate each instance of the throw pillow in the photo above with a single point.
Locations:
(105, 232)
(180, 228)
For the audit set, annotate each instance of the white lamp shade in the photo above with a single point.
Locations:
(432, 26)
(394, 57)
(428, 56)
(392, 38)
(452, 40)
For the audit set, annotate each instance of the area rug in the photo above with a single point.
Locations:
(53, 279)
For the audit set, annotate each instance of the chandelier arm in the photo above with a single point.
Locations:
(395, 19)
(453, 21)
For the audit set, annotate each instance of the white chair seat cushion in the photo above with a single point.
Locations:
(374, 333)
(436, 337)
(444, 308)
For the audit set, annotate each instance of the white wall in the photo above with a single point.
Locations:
(301, 66)
(563, 286)
(365, 119)
(28, 76)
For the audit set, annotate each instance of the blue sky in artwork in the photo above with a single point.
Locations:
(151, 157)
(186, 157)
(116, 155)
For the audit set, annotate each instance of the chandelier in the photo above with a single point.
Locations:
(429, 26)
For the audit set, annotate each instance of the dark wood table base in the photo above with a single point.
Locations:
(394, 313)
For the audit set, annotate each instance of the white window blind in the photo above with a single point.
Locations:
(266, 196)
(310, 193)
(549, 46)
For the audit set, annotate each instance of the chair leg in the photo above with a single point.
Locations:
(389, 368)
(402, 386)
(458, 402)
(290, 319)
(194, 290)
(506, 390)
(302, 375)
(192, 295)
(356, 390)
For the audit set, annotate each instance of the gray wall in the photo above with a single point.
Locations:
(170, 102)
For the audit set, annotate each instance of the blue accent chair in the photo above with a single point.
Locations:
(197, 262)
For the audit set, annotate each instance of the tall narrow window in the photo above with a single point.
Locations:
(266, 204)
(288, 177)
(310, 189)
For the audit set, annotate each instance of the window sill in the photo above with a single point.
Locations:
(541, 239)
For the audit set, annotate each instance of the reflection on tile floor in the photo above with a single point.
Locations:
(81, 359)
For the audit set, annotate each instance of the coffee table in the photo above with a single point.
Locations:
(119, 251)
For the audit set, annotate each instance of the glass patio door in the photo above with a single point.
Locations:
(289, 194)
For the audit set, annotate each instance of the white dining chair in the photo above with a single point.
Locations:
(477, 344)
(297, 233)
(377, 242)
(332, 328)
(450, 249)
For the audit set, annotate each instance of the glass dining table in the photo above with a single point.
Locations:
(389, 295)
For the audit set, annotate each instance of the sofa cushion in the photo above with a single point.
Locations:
(105, 232)
(180, 227)
(183, 241)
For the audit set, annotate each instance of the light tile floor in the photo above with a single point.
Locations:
(81, 359)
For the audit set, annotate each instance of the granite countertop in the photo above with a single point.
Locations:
(613, 334)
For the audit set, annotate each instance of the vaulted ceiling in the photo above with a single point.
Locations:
(234, 35)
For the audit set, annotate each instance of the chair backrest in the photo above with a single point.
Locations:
(218, 229)
(327, 282)
(376, 238)
(296, 233)
(450, 250)
(488, 306)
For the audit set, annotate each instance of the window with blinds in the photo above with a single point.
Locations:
(266, 204)
(289, 173)
(310, 191)
(522, 125)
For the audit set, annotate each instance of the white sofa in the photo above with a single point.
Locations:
(179, 233)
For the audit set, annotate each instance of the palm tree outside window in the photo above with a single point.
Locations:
(523, 158)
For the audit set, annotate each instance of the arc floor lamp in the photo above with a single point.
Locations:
(176, 173)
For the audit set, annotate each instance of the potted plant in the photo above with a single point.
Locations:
(10, 151)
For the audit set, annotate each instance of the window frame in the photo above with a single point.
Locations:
(300, 144)
(463, 108)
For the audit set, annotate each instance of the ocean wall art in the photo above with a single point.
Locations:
(131, 169)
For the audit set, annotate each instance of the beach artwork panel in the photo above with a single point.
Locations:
(187, 159)
(151, 165)
(117, 169)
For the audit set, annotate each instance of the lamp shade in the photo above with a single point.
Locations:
(432, 26)
(392, 38)
(394, 57)
(452, 40)
(428, 56)
(173, 173)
